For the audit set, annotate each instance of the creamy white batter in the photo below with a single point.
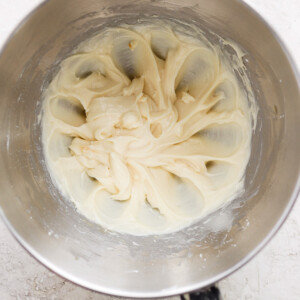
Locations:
(147, 130)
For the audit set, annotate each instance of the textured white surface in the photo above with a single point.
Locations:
(273, 274)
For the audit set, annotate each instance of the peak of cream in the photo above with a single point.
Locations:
(146, 130)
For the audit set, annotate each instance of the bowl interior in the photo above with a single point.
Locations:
(50, 227)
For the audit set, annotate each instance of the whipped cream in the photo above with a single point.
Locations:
(147, 130)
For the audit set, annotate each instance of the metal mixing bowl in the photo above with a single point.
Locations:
(49, 227)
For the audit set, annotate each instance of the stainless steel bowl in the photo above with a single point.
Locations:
(49, 227)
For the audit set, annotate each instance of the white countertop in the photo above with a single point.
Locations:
(273, 274)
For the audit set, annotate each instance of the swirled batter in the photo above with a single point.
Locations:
(146, 130)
